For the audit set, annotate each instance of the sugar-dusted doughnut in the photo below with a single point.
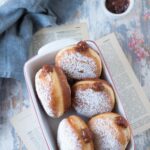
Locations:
(111, 131)
(79, 61)
(91, 97)
(53, 90)
(74, 134)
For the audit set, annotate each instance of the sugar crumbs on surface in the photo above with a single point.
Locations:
(105, 136)
(66, 137)
(89, 102)
(78, 66)
(43, 89)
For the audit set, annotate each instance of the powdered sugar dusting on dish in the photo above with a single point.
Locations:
(43, 89)
(78, 66)
(105, 136)
(89, 102)
(66, 137)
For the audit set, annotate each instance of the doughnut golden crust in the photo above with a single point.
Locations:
(91, 97)
(79, 61)
(53, 90)
(74, 134)
(111, 131)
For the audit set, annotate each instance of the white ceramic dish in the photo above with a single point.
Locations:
(113, 15)
(48, 125)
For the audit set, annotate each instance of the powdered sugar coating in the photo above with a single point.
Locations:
(89, 102)
(43, 88)
(78, 66)
(66, 137)
(105, 135)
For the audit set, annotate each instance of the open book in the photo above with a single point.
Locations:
(134, 101)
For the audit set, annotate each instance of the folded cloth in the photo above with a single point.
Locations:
(19, 19)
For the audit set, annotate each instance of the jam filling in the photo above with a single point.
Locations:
(82, 46)
(117, 6)
(121, 122)
(86, 135)
(47, 68)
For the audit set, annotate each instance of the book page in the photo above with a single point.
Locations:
(131, 94)
(46, 35)
(28, 129)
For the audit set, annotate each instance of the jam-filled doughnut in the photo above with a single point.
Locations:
(74, 134)
(111, 131)
(53, 90)
(79, 61)
(91, 97)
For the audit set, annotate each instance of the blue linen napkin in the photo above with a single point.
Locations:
(19, 19)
